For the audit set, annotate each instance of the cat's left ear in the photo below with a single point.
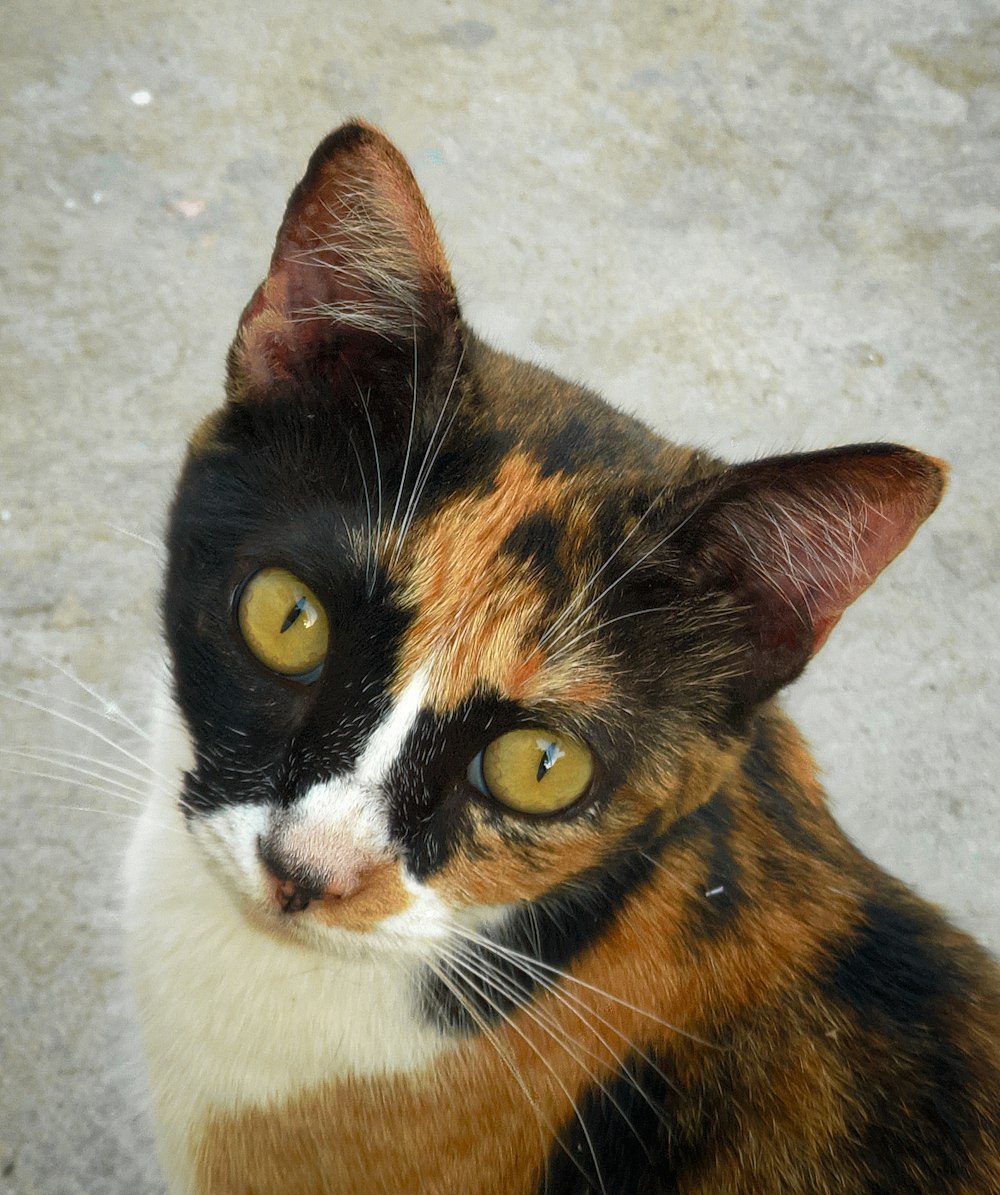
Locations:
(358, 277)
(794, 540)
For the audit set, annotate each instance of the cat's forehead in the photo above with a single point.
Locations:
(485, 574)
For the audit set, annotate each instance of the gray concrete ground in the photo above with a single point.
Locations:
(761, 225)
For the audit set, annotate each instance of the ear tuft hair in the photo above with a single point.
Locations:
(357, 260)
(796, 539)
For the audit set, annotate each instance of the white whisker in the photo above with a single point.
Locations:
(631, 569)
(116, 813)
(600, 626)
(156, 545)
(454, 959)
(375, 545)
(109, 707)
(521, 998)
(574, 1003)
(38, 757)
(559, 973)
(84, 707)
(430, 458)
(368, 514)
(504, 1054)
(22, 700)
(73, 781)
(55, 754)
(578, 596)
(409, 442)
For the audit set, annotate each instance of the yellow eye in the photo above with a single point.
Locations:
(533, 771)
(283, 623)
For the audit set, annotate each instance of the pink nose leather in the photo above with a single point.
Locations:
(295, 883)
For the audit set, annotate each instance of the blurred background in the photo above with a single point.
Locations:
(760, 226)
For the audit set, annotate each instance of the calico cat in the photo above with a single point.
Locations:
(483, 860)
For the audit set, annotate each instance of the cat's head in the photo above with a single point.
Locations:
(449, 634)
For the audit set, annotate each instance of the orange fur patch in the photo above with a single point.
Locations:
(367, 1135)
(382, 894)
(478, 611)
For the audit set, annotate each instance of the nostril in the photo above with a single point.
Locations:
(291, 897)
(293, 888)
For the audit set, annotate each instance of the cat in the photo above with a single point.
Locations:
(482, 859)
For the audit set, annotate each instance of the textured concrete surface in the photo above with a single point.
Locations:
(761, 225)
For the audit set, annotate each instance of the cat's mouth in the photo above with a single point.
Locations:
(361, 925)
(297, 879)
(324, 885)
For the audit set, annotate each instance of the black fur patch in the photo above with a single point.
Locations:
(553, 931)
(429, 794)
(918, 1126)
(642, 1133)
(772, 787)
(468, 462)
(618, 1138)
(535, 541)
(570, 447)
(260, 736)
(892, 974)
(714, 909)
(581, 443)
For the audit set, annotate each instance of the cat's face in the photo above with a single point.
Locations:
(451, 638)
(444, 698)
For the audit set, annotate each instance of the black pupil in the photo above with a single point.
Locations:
(547, 760)
(293, 614)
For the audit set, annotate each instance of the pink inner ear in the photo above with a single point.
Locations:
(356, 256)
(817, 530)
(265, 340)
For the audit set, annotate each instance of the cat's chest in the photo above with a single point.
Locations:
(452, 1129)
(275, 1070)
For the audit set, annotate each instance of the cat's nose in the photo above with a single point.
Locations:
(294, 886)
(293, 896)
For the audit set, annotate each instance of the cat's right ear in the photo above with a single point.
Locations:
(358, 282)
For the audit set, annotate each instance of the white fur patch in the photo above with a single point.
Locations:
(232, 1014)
